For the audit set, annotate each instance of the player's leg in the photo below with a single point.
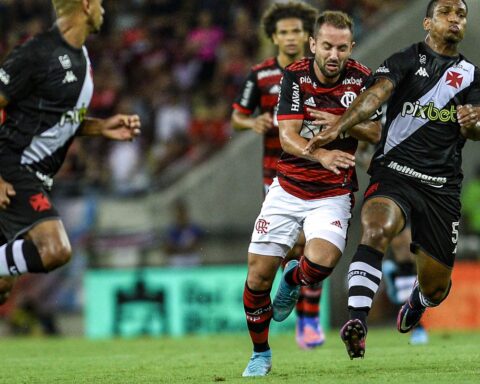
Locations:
(400, 275)
(325, 227)
(434, 241)
(308, 331)
(382, 219)
(434, 282)
(258, 307)
(44, 248)
(276, 229)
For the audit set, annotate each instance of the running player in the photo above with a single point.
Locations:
(416, 173)
(312, 192)
(45, 89)
(288, 25)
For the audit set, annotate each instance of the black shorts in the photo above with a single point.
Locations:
(30, 206)
(433, 216)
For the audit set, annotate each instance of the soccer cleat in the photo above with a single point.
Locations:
(259, 365)
(408, 317)
(389, 268)
(309, 333)
(419, 336)
(286, 296)
(353, 335)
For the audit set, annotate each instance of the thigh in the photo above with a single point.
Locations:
(328, 219)
(280, 218)
(435, 227)
(30, 206)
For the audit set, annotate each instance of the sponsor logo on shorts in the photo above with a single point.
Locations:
(433, 181)
(40, 202)
(337, 223)
(261, 226)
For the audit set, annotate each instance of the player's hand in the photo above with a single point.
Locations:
(334, 159)
(6, 191)
(322, 138)
(121, 127)
(467, 116)
(263, 123)
(322, 118)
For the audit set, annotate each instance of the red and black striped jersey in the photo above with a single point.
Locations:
(300, 89)
(260, 91)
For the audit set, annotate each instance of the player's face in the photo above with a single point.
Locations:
(96, 15)
(448, 23)
(332, 47)
(290, 37)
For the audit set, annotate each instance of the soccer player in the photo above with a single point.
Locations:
(45, 88)
(288, 25)
(416, 173)
(311, 192)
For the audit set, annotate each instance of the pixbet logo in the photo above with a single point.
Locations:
(430, 112)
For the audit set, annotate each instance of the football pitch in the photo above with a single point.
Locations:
(449, 358)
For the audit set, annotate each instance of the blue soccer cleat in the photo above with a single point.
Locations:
(259, 365)
(286, 296)
(309, 332)
(419, 335)
(389, 269)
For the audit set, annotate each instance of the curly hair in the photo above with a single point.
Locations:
(338, 19)
(292, 9)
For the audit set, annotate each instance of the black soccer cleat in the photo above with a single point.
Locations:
(353, 335)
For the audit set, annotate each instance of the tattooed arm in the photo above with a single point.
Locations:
(361, 109)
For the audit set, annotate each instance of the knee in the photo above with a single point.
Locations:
(376, 235)
(258, 281)
(55, 254)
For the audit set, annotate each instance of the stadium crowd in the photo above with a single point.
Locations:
(178, 64)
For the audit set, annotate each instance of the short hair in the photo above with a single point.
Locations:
(63, 7)
(292, 9)
(431, 6)
(337, 19)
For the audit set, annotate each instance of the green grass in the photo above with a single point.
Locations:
(448, 358)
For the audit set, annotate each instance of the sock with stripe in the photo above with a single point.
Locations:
(308, 304)
(19, 257)
(364, 276)
(307, 273)
(258, 311)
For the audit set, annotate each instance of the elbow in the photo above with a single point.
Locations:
(376, 136)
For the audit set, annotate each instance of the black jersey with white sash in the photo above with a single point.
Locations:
(49, 86)
(421, 139)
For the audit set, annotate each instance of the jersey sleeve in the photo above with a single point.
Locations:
(290, 103)
(16, 73)
(396, 67)
(249, 98)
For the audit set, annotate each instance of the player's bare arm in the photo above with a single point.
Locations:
(6, 191)
(293, 144)
(369, 131)
(118, 127)
(468, 117)
(259, 124)
(361, 109)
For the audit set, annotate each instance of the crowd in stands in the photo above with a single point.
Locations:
(176, 63)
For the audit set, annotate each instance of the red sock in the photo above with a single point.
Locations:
(258, 311)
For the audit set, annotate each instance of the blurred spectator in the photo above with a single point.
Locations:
(183, 238)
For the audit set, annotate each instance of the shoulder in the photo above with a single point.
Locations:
(356, 66)
(301, 65)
